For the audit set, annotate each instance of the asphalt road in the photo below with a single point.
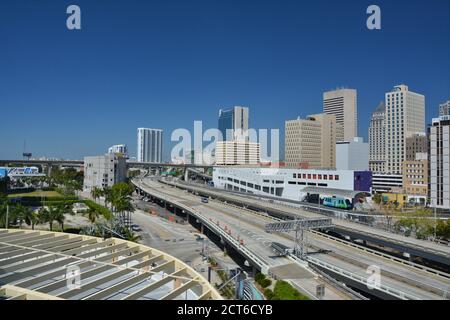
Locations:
(250, 227)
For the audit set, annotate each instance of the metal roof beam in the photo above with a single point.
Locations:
(183, 288)
(153, 286)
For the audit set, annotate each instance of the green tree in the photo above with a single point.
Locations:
(96, 193)
(51, 215)
(121, 198)
(21, 214)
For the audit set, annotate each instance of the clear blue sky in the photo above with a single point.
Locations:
(166, 63)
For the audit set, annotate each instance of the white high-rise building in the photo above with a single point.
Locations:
(439, 133)
(149, 145)
(444, 109)
(343, 104)
(405, 116)
(104, 171)
(377, 140)
(119, 148)
(237, 152)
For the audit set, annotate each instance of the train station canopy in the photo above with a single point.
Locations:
(36, 265)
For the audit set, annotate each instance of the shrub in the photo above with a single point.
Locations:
(259, 277)
(265, 283)
(268, 294)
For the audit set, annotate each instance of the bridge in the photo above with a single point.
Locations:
(243, 229)
(80, 163)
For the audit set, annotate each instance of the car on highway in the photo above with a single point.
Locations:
(135, 228)
(205, 200)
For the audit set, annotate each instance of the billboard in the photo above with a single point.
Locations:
(3, 172)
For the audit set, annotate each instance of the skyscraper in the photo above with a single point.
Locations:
(439, 134)
(233, 123)
(342, 103)
(405, 116)
(311, 142)
(444, 109)
(119, 148)
(377, 144)
(149, 145)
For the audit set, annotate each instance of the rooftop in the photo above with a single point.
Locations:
(50, 265)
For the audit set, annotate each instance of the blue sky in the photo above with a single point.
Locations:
(163, 64)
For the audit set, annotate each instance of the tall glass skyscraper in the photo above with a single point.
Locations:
(149, 145)
(233, 122)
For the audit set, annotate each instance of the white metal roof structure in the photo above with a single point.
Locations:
(42, 265)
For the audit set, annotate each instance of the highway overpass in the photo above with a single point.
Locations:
(434, 252)
(342, 260)
(80, 163)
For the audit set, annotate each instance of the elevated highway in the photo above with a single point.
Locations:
(344, 261)
(431, 251)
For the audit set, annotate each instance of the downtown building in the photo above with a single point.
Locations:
(352, 155)
(444, 109)
(237, 153)
(439, 185)
(377, 140)
(235, 147)
(405, 117)
(311, 143)
(104, 171)
(342, 103)
(149, 145)
(233, 123)
(289, 183)
(120, 149)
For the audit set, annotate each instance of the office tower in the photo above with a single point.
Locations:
(233, 123)
(342, 103)
(417, 143)
(120, 149)
(352, 155)
(237, 153)
(415, 178)
(405, 116)
(311, 142)
(103, 171)
(149, 145)
(439, 136)
(377, 141)
(444, 109)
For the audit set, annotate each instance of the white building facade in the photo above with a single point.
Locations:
(103, 171)
(405, 116)
(120, 149)
(377, 140)
(288, 183)
(439, 134)
(237, 152)
(149, 145)
(352, 155)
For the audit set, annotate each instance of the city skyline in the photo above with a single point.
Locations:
(280, 74)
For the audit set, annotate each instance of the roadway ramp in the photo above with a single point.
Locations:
(290, 271)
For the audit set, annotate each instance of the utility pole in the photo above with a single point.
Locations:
(7, 218)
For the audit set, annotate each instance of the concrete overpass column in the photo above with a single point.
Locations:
(186, 174)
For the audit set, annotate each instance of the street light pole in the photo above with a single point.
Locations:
(7, 218)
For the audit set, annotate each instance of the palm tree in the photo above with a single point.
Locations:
(21, 214)
(32, 219)
(93, 214)
(52, 214)
(107, 193)
(96, 193)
